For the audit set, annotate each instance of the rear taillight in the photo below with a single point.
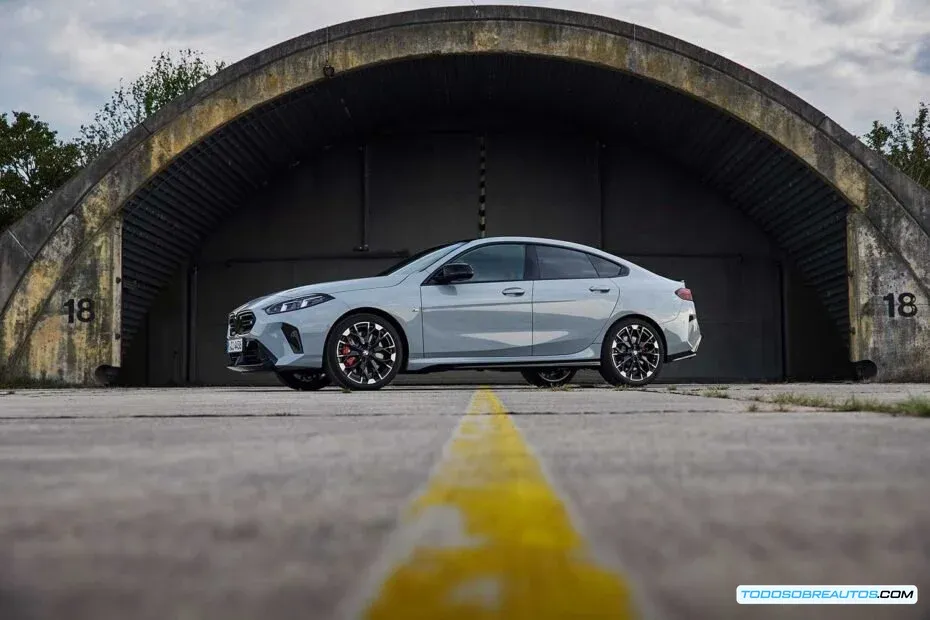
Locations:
(684, 293)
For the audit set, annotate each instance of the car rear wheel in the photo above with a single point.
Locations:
(548, 377)
(364, 352)
(304, 380)
(632, 354)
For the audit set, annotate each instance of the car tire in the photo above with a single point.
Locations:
(632, 354)
(308, 380)
(364, 352)
(548, 377)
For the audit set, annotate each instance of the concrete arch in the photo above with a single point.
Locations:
(69, 248)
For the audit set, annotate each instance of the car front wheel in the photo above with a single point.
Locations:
(548, 377)
(304, 380)
(364, 352)
(633, 353)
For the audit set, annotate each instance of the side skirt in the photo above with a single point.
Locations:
(506, 366)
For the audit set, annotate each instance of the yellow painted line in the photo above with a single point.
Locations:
(490, 538)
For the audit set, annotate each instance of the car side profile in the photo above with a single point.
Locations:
(543, 307)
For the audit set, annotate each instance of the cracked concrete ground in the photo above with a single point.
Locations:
(244, 503)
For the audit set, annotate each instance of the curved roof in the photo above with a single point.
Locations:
(178, 173)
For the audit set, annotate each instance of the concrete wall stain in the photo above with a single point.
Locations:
(81, 255)
(856, 320)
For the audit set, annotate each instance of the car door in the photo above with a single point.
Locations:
(490, 315)
(571, 300)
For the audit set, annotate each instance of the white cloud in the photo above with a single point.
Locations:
(856, 60)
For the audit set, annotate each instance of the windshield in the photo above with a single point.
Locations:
(422, 259)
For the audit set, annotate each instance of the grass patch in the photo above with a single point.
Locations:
(561, 388)
(715, 392)
(918, 406)
(752, 408)
(672, 388)
(801, 400)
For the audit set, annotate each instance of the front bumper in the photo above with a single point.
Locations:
(291, 340)
(254, 357)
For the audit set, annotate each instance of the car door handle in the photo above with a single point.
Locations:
(599, 289)
(513, 291)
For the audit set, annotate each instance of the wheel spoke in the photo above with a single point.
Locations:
(627, 364)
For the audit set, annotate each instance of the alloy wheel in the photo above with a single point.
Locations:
(635, 352)
(366, 352)
(555, 375)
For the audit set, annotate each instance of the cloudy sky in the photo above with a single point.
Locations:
(856, 60)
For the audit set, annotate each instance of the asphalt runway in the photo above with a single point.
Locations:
(418, 502)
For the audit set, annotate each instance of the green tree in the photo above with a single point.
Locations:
(33, 164)
(169, 77)
(906, 145)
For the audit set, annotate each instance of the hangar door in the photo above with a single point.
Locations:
(641, 207)
(739, 307)
(354, 209)
(663, 218)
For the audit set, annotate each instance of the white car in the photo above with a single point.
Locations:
(542, 307)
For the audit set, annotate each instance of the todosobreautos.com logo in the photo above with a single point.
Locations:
(826, 595)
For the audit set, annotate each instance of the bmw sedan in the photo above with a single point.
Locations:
(542, 307)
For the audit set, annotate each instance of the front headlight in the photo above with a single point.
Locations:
(297, 304)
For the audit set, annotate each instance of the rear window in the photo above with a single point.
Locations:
(563, 264)
(606, 268)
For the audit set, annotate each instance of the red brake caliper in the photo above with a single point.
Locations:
(350, 361)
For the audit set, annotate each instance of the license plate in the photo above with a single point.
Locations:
(234, 345)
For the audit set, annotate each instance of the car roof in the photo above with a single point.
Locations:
(543, 241)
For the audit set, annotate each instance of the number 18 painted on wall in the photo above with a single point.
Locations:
(907, 306)
(82, 310)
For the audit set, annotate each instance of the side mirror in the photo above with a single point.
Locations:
(455, 272)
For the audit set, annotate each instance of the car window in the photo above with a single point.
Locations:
(421, 259)
(563, 264)
(496, 263)
(605, 268)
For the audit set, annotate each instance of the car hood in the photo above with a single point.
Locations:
(332, 288)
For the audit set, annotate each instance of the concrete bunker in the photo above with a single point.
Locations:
(333, 154)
